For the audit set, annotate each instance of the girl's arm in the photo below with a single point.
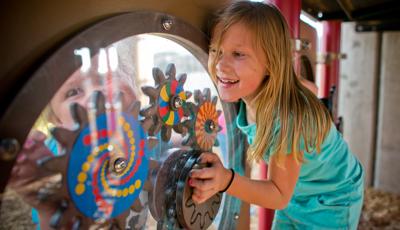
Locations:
(27, 177)
(273, 193)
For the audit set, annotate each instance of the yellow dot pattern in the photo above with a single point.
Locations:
(117, 192)
(82, 176)
(79, 189)
(138, 184)
(127, 129)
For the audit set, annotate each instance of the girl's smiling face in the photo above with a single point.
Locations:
(77, 90)
(239, 67)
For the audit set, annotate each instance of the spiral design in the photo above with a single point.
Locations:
(169, 115)
(95, 192)
(206, 115)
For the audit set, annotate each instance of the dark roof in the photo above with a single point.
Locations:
(370, 15)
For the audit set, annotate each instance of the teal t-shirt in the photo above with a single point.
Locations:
(332, 178)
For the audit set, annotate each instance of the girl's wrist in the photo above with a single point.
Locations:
(230, 175)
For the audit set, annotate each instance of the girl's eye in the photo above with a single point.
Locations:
(73, 92)
(238, 54)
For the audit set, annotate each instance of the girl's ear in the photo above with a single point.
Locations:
(267, 72)
(266, 79)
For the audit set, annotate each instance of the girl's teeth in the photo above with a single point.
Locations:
(228, 81)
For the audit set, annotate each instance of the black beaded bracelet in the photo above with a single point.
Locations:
(230, 182)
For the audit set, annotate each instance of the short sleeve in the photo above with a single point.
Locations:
(271, 147)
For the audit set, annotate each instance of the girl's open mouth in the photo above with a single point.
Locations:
(227, 82)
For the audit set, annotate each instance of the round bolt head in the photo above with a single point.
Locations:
(171, 212)
(119, 165)
(9, 149)
(167, 24)
(210, 126)
(177, 102)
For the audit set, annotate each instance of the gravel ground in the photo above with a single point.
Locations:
(15, 213)
(381, 210)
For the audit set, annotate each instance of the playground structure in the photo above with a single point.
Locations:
(40, 58)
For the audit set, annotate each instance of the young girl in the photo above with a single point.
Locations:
(313, 179)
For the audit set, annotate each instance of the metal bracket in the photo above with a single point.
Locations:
(327, 58)
(299, 45)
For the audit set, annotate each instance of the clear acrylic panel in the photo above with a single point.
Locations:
(96, 157)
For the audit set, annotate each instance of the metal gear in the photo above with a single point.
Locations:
(203, 123)
(89, 194)
(167, 107)
(171, 204)
(170, 200)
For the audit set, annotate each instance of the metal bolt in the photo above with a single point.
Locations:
(9, 149)
(167, 24)
(119, 165)
(306, 45)
(171, 212)
(210, 126)
(177, 102)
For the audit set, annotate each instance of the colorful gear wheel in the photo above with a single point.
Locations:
(100, 196)
(167, 107)
(203, 123)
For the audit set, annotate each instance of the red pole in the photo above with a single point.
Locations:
(291, 11)
(265, 215)
(329, 68)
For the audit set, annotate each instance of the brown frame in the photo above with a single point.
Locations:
(21, 114)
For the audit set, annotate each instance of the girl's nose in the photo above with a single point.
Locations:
(223, 64)
(89, 94)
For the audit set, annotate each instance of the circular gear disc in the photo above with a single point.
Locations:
(190, 214)
(162, 185)
(203, 126)
(100, 196)
(172, 206)
(167, 107)
(95, 192)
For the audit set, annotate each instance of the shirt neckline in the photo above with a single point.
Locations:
(241, 122)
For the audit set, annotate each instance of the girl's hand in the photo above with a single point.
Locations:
(208, 181)
(26, 175)
(25, 169)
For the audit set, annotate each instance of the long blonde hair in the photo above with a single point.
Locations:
(281, 99)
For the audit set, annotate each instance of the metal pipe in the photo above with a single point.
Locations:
(328, 66)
